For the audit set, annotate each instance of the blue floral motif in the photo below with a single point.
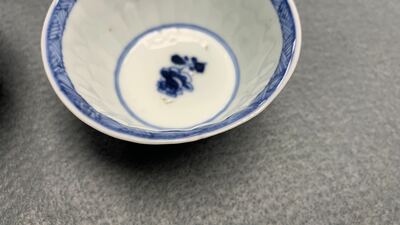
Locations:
(53, 44)
(178, 78)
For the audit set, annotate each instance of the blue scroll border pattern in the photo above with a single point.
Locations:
(54, 35)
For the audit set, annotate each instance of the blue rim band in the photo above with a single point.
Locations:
(53, 46)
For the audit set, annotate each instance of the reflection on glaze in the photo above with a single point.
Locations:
(178, 78)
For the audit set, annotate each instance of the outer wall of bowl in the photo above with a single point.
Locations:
(134, 139)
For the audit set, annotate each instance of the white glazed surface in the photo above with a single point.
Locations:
(124, 136)
(96, 36)
(140, 71)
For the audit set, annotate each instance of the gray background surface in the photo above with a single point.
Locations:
(327, 151)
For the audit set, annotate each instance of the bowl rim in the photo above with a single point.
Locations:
(151, 137)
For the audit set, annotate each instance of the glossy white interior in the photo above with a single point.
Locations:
(97, 32)
(140, 72)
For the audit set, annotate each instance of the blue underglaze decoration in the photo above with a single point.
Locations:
(192, 63)
(53, 42)
(178, 78)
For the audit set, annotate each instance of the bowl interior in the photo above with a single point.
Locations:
(171, 71)
(106, 62)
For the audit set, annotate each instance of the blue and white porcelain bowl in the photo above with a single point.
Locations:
(169, 71)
